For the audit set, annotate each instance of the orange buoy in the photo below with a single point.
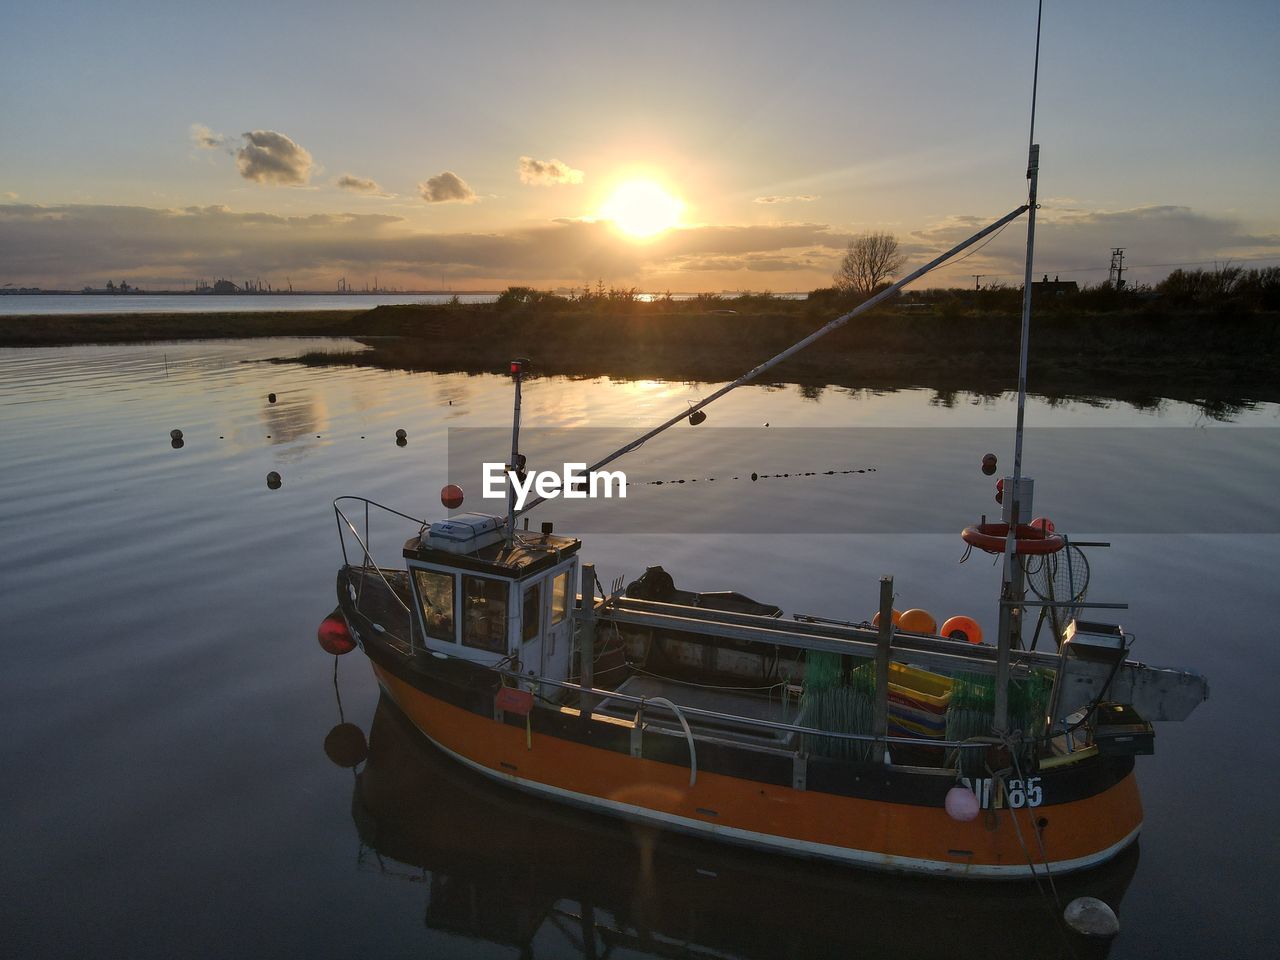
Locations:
(962, 628)
(897, 615)
(916, 620)
(334, 635)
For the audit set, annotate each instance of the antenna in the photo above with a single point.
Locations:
(977, 280)
(1116, 276)
(1013, 579)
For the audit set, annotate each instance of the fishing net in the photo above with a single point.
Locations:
(1061, 577)
(837, 701)
(972, 710)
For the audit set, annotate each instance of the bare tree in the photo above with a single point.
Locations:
(872, 258)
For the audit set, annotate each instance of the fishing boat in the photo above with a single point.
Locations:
(892, 744)
(416, 812)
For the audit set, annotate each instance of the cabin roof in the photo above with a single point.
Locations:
(531, 553)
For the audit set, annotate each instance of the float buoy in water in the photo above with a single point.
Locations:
(451, 496)
(273, 481)
(271, 398)
(962, 628)
(989, 464)
(1091, 917)
(916, 620)
(334, 635)
(345, 745)
(175, 434)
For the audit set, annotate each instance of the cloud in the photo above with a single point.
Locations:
(66, 246)
(360, 185)
(203, 137)
(70, 245)
(1076, 243)
(546, 173)
(758, 262)
(9, 195)
(446, 187)
(798, 198)
(269, 157)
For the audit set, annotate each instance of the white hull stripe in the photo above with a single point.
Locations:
(807, 848)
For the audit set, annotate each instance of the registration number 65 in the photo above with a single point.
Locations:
(1021, 793)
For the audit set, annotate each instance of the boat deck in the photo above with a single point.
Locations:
(773, 704)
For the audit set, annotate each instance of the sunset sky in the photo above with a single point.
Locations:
(479, 145)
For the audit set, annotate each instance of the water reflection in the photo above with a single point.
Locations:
(504, 868)
(1222, 398)
(293, 417)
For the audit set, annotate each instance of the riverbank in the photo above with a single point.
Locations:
(1138, 355)
(39, 330)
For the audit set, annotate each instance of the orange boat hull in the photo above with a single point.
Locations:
(909, 837)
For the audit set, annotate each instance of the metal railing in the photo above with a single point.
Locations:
(365, 550)
(728, 718)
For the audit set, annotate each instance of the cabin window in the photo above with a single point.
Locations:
(484, 614)
(436, 591)
(531, 612)
(559, 597)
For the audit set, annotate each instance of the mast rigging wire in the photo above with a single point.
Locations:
(796, 347)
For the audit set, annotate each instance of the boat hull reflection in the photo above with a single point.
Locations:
(516, 870)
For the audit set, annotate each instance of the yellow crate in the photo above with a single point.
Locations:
(931, 689)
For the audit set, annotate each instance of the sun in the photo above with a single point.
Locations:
(641, 208)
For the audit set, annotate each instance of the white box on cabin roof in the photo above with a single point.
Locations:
(464, 533)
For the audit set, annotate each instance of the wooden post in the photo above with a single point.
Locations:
(880, 724)
(587, 637)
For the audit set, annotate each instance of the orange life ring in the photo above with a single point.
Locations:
(1030, 540)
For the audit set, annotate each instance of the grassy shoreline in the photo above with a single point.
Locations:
(45, 330)
(1137, 355)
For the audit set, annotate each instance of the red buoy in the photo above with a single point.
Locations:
(451, 496)
(334, 635)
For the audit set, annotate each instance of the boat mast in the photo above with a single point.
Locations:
(1013, 587)
(516, 463)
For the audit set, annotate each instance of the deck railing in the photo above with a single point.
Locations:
(345, 524)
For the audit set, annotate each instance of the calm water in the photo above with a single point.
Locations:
(51, 304)
(22, 304)
(164, 701)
